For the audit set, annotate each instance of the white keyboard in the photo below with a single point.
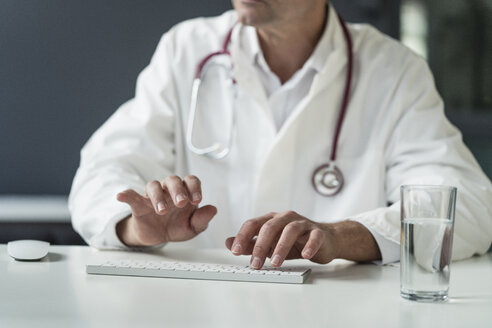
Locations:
(204, 271)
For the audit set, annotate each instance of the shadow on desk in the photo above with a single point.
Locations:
(54, 257)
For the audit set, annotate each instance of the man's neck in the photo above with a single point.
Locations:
(288, 46)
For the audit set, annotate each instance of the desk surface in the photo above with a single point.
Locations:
(57, 292)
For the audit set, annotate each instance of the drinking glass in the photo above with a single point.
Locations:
(427, 223)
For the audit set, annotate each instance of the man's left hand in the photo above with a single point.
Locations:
(282, 236)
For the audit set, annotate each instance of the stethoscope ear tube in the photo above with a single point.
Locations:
(216, 151)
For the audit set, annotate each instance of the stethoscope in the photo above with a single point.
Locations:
(327, 179)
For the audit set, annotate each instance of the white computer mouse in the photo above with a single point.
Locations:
(28, 250)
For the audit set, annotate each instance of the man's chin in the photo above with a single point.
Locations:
(253, 19)
(253, 12)
(252, 2)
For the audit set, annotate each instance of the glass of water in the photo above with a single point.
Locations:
(427, 222)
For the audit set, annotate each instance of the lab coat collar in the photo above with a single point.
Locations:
(333, 42)
(244, 72)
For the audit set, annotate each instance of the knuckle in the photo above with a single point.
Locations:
(192, 178)
(172, 179)
(297, 224)
(174, 185)
(324, 261)
(282, 247)
(294, 227)
(268, 227)
(241, 236)
(305, 223)
(250, 224)
(317, 233)
(286, 215)
(282, 215)
(318, 238)
(290, 213)
(152, 184)
(152, 188)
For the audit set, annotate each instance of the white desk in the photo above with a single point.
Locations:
(58, 293)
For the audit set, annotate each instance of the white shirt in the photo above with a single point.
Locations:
(284, 98)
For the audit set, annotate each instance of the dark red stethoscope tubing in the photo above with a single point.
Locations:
(346, 93)
(224, 51)
(348, 83)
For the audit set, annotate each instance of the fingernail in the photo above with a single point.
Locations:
(196, 196)
(275, 260)
(308, 252)
(161, 206)
(237, 249)
(180, 198)
(256, 264)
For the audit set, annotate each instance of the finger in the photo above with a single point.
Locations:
(314, 243)
(157, 196)
(248, 230)
(201, 217)
(174, 185)
(193, 186)
(139, 204)
(289, 236)
(228, 242)
(266, 237)
(248, 250)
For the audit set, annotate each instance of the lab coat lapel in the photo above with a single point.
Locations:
(247, 79)
(274, 188)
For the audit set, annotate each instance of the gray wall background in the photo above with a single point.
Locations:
(66, 65)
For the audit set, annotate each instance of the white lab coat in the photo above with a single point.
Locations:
(394, 133)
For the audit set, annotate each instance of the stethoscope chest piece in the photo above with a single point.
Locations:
(328, 180)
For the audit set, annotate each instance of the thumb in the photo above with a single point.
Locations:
(139, 204)
(201, 217)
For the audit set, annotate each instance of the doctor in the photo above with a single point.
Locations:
(275, 102)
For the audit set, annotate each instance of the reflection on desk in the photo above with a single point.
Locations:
(57, 292)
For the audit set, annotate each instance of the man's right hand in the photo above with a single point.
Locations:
(167, 212)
